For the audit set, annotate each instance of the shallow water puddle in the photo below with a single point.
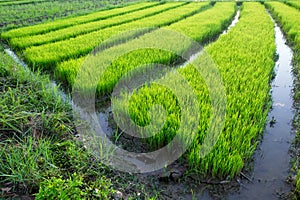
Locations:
(15, 58)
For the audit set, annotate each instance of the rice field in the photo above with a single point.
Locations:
(244, 57)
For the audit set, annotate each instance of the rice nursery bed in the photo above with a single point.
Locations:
(243, 57)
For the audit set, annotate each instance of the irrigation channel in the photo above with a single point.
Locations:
(272, 159)
(266, 180)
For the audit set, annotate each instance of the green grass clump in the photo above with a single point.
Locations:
(24, 162)
(52, 168)
(36, 145)
(27, 105)
(296, 192)
(78, 178)
(57, 188)
(73, 188)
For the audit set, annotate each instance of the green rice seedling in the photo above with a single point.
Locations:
(288, 19)
(295, 4)
(18, 2)
(249, 56)
(209, 24)
(246, 69)
(49, 55)
(244, 57)
(63, 23)
(205, 26)
(73, 31)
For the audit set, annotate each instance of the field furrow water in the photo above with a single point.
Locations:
(272, 159)
(233, 23)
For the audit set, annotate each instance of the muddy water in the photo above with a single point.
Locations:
(271, 161)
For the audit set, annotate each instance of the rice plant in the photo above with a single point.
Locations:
(49, 55)
(244, 58)
(10, 12)
(80, 29)
(204, 26)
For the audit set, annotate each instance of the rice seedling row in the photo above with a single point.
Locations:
(28, 14)
(295, 4)
(47, 56)
(288, 18)
(63, 23)
(244, 58)
(5, 3)
(203, 26)
(85, 28)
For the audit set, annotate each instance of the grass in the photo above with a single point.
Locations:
(24, 162)
(21, 108)
(39, 156)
